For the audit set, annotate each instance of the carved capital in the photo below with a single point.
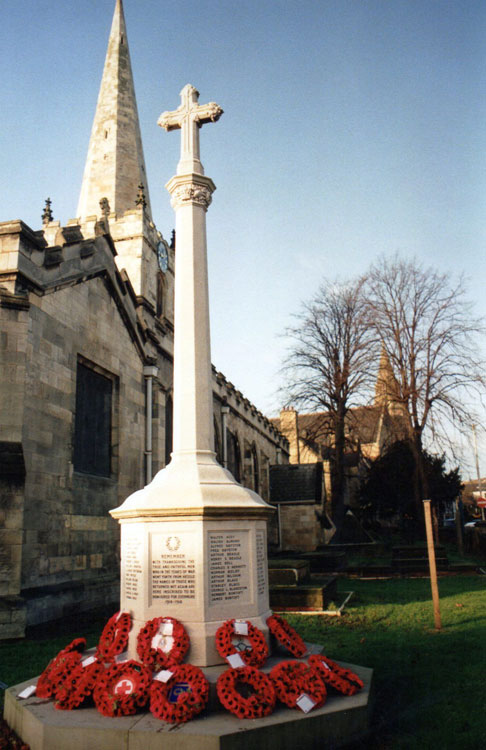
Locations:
(196, 189)
(201, 196)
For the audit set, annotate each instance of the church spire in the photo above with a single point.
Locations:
(387, 390)
(115, 165)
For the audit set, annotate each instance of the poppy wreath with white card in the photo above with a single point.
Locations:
(286, 636)
(114, 638)
(179, 694)
(162, 643)
(298, 684)
(47, 681)
(252, 647)
(261, 698)
(122, 689)
(340, 678)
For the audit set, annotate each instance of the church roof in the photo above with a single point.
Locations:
(362, 424)
(115, 165)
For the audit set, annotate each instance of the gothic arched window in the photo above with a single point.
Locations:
(217, 443)
(233, 455)
(255, 468)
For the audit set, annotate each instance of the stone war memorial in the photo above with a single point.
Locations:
(193, 559)
(193, 540)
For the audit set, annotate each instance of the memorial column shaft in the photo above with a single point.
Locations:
(193, 401)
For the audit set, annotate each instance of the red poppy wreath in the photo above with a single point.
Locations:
(286, 636)
(114, 638)
(75, 682)
(122, 688)
(340, 678)
(254, 653)
(155, 651)
(261, 699)
(47, 681)
(181, 697)
(293, 679)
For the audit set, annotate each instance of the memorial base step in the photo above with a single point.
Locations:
(342, 720)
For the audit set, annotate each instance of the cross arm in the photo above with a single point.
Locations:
(171, 120)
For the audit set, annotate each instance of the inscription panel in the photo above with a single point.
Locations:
(173, 569)
(261, 558)
(229, 570)
(132, 555)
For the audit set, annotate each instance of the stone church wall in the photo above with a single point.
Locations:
(299, 527)
(69, 536)
(60, 547)
(13, 341)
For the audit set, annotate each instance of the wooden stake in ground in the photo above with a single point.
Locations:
(432, 567)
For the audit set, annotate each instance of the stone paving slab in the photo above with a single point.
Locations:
(340, 721)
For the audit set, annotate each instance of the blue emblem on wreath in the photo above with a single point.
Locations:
(177, 689)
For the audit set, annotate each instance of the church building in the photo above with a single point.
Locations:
(86, 356)
(302, 489)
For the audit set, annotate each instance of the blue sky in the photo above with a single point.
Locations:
(352, 128)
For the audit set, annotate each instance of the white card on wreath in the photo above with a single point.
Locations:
(89, 660)
(235, 661)
(166, 628)
(305, 703)
(241, 627)
(164, 675)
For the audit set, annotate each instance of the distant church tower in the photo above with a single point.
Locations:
(114, 193)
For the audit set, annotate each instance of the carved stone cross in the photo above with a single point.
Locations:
(189, 117)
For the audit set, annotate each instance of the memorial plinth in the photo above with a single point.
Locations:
(194, 540)
(340, 721)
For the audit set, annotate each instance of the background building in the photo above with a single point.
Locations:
(303, 494)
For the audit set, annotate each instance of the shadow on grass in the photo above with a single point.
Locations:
(402, 590)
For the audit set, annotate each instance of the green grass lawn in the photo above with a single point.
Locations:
(429, 685)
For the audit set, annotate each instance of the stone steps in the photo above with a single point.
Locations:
(292, 588)
(415, 558)
(307, 597)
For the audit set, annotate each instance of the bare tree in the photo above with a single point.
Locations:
(430, 335)
(331, 362)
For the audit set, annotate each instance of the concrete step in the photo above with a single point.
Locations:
(310, 597)
(288, 572)
(418, 564)
(325, 561)
(414, 551)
